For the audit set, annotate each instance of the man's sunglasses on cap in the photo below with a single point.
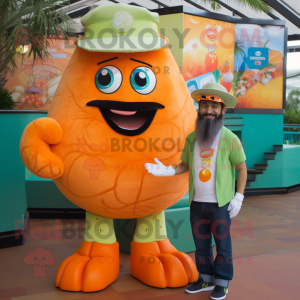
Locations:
(211, 98)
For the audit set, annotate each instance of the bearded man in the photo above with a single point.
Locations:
(211, 154)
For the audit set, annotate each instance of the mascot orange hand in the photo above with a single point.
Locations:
(35, 148)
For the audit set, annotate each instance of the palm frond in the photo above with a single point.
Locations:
(30, 22)
(215, 6)
(256, 5)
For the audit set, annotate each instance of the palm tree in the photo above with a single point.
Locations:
(293, 100)
(29, 22)
(264, 44)
(238, 50)
(292, 109)
(256, 5)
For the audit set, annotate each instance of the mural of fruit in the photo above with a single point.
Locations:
(40, 71)
(204, 49)
(212, 31)
(262, 96)
(259, 83)
(19, 89)
(16, 96)
(38, 74)
(211, 62)
(227, 76)
(33, 97)
(193, 59)
(275, 58)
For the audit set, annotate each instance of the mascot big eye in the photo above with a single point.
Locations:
(121, 102)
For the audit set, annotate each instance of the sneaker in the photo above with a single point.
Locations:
(219, 292)
(200, 286)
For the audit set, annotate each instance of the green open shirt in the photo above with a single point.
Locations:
(230, 153)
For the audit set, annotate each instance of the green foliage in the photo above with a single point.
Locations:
(292, 108)
(292, 116)
(237, 78)
(256, 5)
(238, 51)
(293, 100)
(215, 6)
(264, 44)
(6, 100)
(29, 22)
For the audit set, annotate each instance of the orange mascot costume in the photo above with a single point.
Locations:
(121, 102)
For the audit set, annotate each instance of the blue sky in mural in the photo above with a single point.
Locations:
(257, 36)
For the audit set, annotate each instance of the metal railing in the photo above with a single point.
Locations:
(292, 138)
(291, 134)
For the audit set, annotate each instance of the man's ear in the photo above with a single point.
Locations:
(224, 110)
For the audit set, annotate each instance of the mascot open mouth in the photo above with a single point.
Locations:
(127, 118)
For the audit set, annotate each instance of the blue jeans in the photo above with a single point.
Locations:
(207, 219)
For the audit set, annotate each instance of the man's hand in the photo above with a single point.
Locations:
(235, 205)
(159, 169)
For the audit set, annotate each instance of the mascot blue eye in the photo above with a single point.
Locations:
(108, 79)
(105, 78)
(143, 80)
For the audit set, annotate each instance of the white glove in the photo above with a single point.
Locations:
(159, 169)
(235, 205)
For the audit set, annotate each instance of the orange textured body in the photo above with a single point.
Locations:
(97, 168)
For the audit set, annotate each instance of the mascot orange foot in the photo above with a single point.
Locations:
(159, 264)
(91, 268)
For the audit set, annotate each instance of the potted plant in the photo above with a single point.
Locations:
(6, 100)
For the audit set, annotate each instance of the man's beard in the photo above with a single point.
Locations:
(207, 129)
